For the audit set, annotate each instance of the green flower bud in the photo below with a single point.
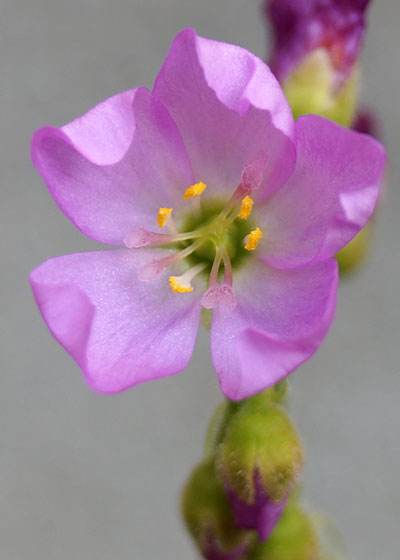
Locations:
(293, 538)
(225, 411)
(262, 441)
(218, 424)
(259, 461)
(311, 88)
(209, 517)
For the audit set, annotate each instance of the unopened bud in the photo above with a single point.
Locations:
(224, 412)
(315, 55)
(209, 517)
(218, 425)
(259, 461)
(311, 89)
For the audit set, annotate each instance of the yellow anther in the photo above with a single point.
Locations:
(162, 216)
(246, 207)
(178, 286)
(194, 190)
(252, 239)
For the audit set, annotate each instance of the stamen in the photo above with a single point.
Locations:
(182, 284)
(151, 270)
(141, 237)
(179, 287)
(252, 239)
(246, 207)
(194, 190)
(162, 216)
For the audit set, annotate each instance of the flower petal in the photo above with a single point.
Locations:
(112, 169)
(328, 199)
(262, 516)
(228, 107)
(119, 330)
(280, 320)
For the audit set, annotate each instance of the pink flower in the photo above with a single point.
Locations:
(301, 26)
(216, 121)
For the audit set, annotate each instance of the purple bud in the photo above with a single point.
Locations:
(302, 26)
(259, 461)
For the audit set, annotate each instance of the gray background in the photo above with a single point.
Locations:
(83, 476)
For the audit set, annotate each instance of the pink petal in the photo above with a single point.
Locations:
(228, 107)
(119, 330)
(328, 199)
(112, 169)
(280, 320)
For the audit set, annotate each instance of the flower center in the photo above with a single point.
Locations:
(218, 233)
(215, 238)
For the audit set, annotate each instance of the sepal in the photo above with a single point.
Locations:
(209, 517)
(259, 460)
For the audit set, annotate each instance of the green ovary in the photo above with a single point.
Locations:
(216, 233)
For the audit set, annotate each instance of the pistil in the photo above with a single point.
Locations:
(222, 294)
(251, 179)
(228, 275)
(217, 231)
(141, 237)
(153, 269)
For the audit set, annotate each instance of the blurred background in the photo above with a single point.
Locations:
(94, 477)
